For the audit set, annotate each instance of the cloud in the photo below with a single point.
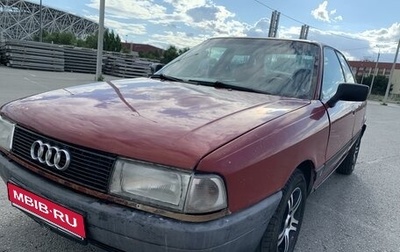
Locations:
(260, 28)
(383, 39)
(121, 28)
(186, 23)
(133, 9)
(203, 13)
(213, 19)
(184, 5)
(338, 18)
(198, 16)
(354, 45)
(322, 13)
(290, 32)
(359, 45)
(345, 42)
(178, 39)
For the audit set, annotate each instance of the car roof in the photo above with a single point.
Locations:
(318, 43)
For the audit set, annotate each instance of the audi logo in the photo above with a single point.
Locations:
(50, 155)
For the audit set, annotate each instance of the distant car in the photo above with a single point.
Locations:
(217, 151)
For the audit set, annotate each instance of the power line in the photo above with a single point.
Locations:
(265, 5)
(303, 23)
(337, 35)
(283, 14)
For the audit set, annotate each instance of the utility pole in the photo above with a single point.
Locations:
(391, 75)
(100, 39)
(375, 73)
(363, 73)
(304, 32)
(41, 22)
(273, 25)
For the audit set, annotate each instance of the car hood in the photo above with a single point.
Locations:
(169, 123)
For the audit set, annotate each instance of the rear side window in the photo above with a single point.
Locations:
(332, 75)
(348, 74)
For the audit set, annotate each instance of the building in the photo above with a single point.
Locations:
(142, 48)
(23, 20)
(366, 68)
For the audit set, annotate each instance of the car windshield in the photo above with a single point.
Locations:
(278, 67)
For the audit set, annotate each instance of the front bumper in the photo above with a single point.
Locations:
(128, 229)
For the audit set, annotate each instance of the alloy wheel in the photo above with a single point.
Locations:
(291, 221)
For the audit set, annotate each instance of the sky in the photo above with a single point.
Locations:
(360, 29)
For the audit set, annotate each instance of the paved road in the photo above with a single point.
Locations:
(348, 213)
(361, 212)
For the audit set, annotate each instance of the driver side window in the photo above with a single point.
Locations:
(332, 75)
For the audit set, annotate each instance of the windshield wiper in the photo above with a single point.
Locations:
(165, 77)
(220, 84)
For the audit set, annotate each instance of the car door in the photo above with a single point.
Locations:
(359, 108)
(341, 115)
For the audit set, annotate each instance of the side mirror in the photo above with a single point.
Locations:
(349, 92)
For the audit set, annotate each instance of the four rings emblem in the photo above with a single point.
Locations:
(50, 155)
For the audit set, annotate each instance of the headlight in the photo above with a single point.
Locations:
(168, 188)
(150, 184)
(6, 133)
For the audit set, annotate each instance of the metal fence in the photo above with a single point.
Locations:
(80, 60)
(124, 65)
(50, 57)
(34, 55)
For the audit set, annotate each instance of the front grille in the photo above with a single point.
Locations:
(89, 168)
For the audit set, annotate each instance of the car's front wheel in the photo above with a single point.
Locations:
(284, 227)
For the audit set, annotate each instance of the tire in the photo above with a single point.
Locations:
(284, 227)
(348, 164)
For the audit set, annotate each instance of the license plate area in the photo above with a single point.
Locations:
(64, 219)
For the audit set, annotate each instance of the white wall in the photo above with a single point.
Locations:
(396, 82)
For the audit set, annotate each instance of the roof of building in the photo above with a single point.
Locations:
(367, 64)
(141, 47)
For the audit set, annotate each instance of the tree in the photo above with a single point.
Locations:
(111, 42)
(90, 41)
(171, 53)
(66, 38)
(380, 84)
(183, 50)
(60, 38)
(150, 55)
